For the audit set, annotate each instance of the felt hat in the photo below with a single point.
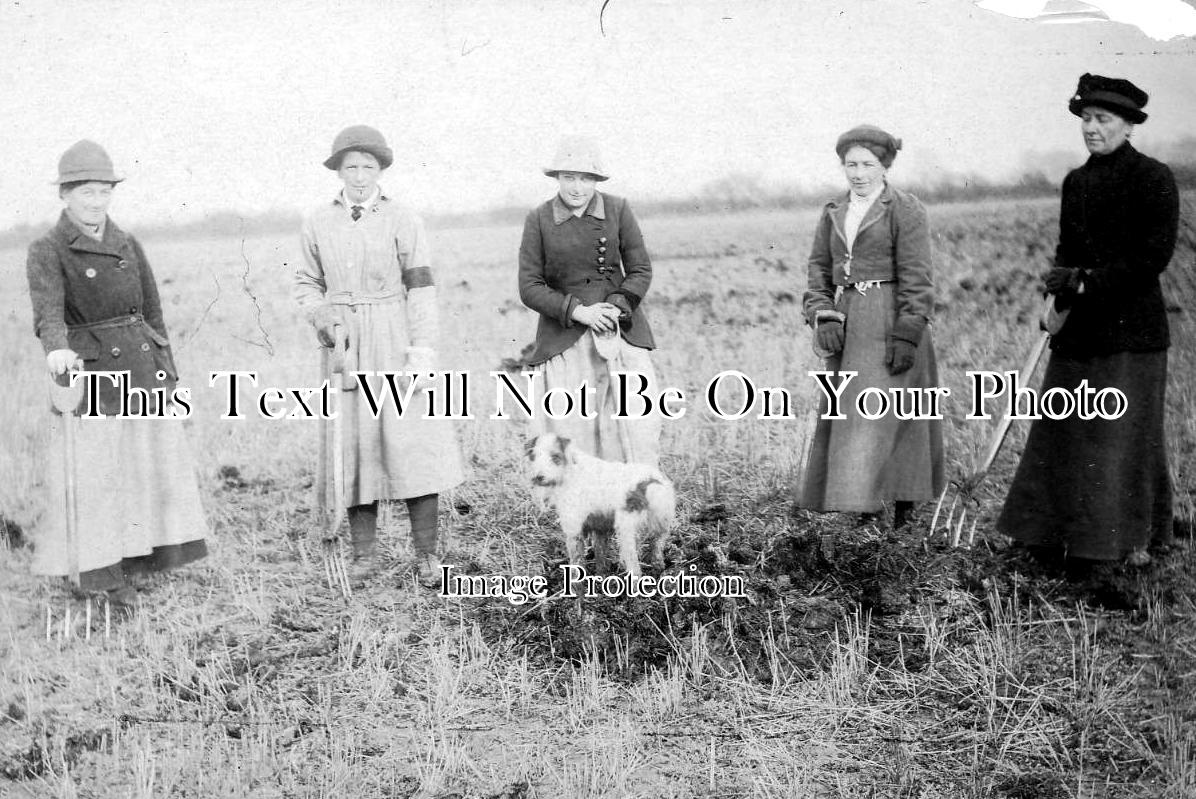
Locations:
(871, 137)
(362, 138)
(1112, 94)
(83, 161)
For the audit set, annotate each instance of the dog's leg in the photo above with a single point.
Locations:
(626, 525)
(574, 541)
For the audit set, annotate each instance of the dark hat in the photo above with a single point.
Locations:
(874, 139)
(86, 161)
(1114, 94)
(362, 138)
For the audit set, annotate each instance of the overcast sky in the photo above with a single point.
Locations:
(233, 105)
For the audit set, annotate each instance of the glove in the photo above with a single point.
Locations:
(59, 361)
(620, 301)
(325, 319)
(1061, 280)
(420, 361)
(902, 346)
(829, 335)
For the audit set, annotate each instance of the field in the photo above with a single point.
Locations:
(862, 664)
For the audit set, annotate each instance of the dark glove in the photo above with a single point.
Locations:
(325, 320)
(1062, 280)
(903, 342)
(621, 302)
(829, 335)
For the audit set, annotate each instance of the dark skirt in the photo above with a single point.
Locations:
(858, 464)
(1096, 489)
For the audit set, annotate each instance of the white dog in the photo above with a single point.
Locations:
(594, 497)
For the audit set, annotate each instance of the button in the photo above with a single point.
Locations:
(602, 240)
(122, 263)
(601, 259)
(133, 309)
(116, 352)
(601, 249)
(144, 347)
(90, 272)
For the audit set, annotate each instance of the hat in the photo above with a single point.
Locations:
(1114, 94)
(83, 161)
(871, 137)
(577, 154)
(363, 138)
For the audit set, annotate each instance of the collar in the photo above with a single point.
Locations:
(884, 196)
(1113, 158)
(70, 232)
(562, 212)
(369, 202)
(855, 199)
(96, 233)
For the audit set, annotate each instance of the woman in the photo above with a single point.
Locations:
(96, 307)
(367, 277)
(1093, 489)
(869, 299)
(584, 268)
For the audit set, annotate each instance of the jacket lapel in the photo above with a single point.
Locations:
(79, 241)
(838, 213)
(874, 214)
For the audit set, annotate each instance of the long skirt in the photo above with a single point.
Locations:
(631, 440)
(137, 498)
(1096, 489)
(388, 456)
(857, 464)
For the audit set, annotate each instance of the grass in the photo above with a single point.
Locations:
(883, 667)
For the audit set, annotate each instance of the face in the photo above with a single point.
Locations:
(360, 173)
(863, 170)
(1103, 130)
(576, 188)
(89, 201)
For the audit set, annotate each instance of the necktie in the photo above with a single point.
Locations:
(356, 212)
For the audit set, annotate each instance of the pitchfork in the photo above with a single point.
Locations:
(65, 393)
(336, 575)
(1050, 322)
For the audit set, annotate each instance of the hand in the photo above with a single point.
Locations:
(829, 335)
(326, 320)
(601, 317)
(620, 302)
(59, 361)
(1062, 280)
(899, 356)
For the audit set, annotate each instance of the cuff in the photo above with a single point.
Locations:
(568, 307)
(624, 300)
(829, 315)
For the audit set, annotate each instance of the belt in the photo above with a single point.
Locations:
(127, 320)
(351, 298)
(862, 287)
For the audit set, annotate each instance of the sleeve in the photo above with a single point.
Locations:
(820, 285)
(1151, 232)
(534, 290)
(47, 290)
(309, 286)
(911, 256)
(151, 301)
(415, 261)
(637, 266)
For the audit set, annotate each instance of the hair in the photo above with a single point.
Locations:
(69, 186)
(340, 157)
(883, 154)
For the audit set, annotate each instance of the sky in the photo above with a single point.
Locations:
(212, 106)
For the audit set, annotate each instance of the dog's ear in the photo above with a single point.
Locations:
(563, 447)
(529, 447)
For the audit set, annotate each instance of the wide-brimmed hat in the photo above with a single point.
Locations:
(363, 138)
(577, 154)
(1112, 94)
(870, 135)
(83, 161)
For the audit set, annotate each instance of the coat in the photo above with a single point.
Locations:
(566, 261)
(1118, 223)
(891, 244)
(375, 276)
(100, 299)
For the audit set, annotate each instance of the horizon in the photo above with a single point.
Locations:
(204, 119)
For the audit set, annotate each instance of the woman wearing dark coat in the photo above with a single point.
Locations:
(1099, 489)
(96, 308)
(869, 298)
(584, 268)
